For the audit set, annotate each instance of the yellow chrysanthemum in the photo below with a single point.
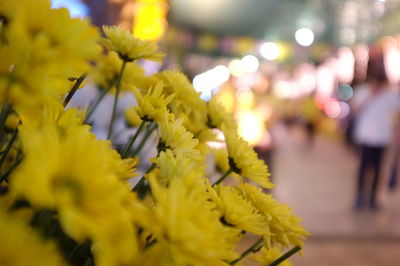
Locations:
(21, 246)
(35, 40)
(152, 105)
(237, 211)
(76, 176)
(39, 116)
(187, 103)
(174, 136)
(221, 161)
(123, 168)
(284, 226)
(128, 47)
(243, 159)
(217, 115)
(267, 256)
(159, 254)
(132, 117)
(183, 225)
(107, 68)
(205, 136)
(180, 166)
(12, 121)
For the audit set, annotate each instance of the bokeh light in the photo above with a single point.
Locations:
(251, 126)
(269, 50)
(235, 68)
(250, 63)
(75, 7)
(332, 108)
(345, 92)
(304, 36)
(208, 81)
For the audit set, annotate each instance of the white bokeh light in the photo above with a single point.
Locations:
(235, 68)
(208, 81)
(304, 36)
(269, 50)
(250, 63)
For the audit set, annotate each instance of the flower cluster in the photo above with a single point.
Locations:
(66, 197)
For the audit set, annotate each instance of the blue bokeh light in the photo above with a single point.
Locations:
(75, 7)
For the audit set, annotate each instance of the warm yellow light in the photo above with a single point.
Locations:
(251, 126)
(149, 19)
(236, 68)
(227, 99)
(245, 98)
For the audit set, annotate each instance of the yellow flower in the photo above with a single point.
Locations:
(76, 176)
(107, 69)
(237, 211)
(267, 256)
(159, 254)
(132, 117)
(187, 102)
(183, 226)
(217, 115)
(21, 246)
(36, 39)
(12, 121)
(243, 159)
(180, 166)
(128, 47)
(50, 114)
(153, 104)
(221, 161)
(174, 136)
(284, 226)
(123, 168)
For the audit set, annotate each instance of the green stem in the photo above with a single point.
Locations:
(9, 171)
(138, 149)
(132, 140)
(4, 114)
(223, 176)
(251, 249)
(88, 262)
(285, 256)
(140, 188)
(139, 184)
(9, 145)
(71, 93)
(117, 88)
(93, 107)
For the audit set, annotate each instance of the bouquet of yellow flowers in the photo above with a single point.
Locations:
(66, 197)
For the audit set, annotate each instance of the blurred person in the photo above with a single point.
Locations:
(375, 106)
(310, 115)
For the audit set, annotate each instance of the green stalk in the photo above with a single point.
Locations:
(9, 171)
(251, 249)
(96, 103)
(117, 87)
(132, 140)
(4, 114)
(223, 176)
(71, 93)
(8, 147)
(285, 256)
(140, 188)
(138, 149)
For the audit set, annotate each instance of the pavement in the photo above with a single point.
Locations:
(318, 181)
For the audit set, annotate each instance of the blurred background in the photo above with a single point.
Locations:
(290, 71)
